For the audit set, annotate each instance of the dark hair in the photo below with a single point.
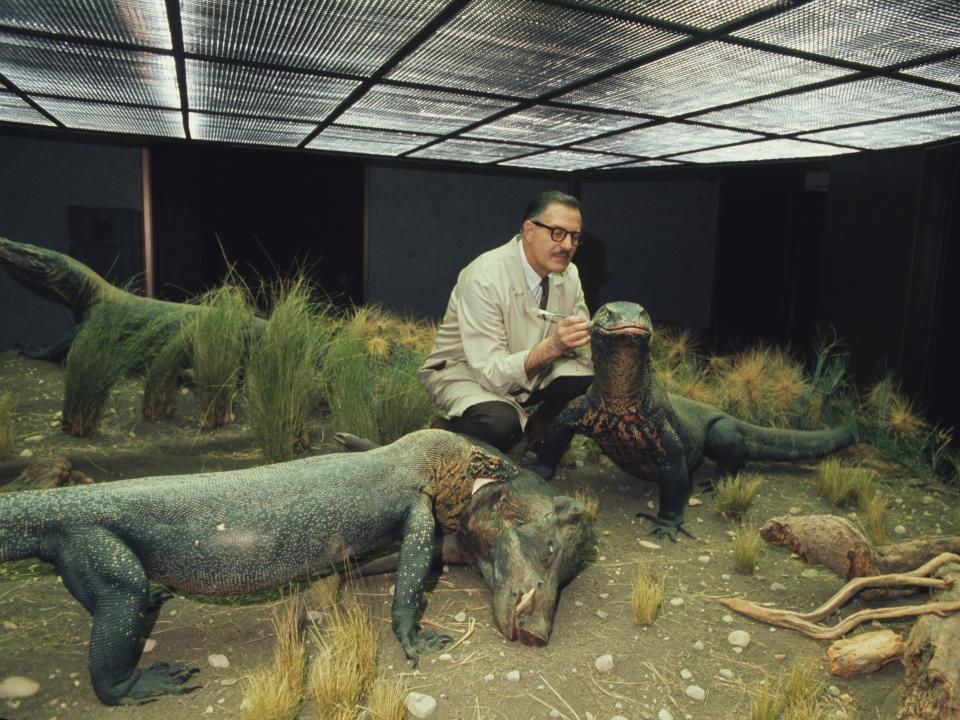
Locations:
(549, 197)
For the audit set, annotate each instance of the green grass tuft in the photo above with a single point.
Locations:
(797, 695)
(735, 495)
(7, 408)
(162, 384)
(746, 548)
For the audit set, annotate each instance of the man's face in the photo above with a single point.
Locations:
(543, 254)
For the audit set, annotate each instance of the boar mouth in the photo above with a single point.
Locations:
(524, 603)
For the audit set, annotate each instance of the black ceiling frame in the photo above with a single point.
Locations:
(176, 37)
(15, 90)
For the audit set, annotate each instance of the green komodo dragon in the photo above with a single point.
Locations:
(659, 436)
(243, 531)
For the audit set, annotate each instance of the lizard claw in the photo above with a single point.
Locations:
(421, 641)
(665, 526)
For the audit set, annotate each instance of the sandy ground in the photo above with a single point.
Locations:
(44, 632)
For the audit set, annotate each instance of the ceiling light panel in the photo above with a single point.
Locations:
(548, 125)
(475, 151)
(15, 110)
(523, 48)
(895, 133)
(103, 117)
(700, 14)
(783, 149)
(37, 65)
(947, 71)
(255, 91)
(703, 76)
(256, 131)
(367, 141)
(874, 32)
(390, 107)
(566, 160)
(645, 164)
(348, 36)
(862, 100)
(667, 139)
(138, 22)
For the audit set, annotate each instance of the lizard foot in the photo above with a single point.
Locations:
(422, 641)
(161, 678)
(663, 526)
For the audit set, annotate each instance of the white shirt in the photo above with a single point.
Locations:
(529, 274)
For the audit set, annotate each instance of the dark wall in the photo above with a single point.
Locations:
(40, 181)
(264, 212)
(424, 226)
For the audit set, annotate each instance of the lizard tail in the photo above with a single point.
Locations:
(55, 276)
(781, 444)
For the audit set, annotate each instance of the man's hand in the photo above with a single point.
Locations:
(571, 333)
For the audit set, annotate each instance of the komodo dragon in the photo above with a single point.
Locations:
(659, 436)
(243, 531)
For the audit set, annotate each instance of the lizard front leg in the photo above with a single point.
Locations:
(674, 487)
(558, 437)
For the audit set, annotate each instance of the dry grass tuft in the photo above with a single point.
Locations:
(646, 596)
(841, 483)
(735, 495)
(591, 506)
(797, 695)
(7, 407)
(746, 548)
(323, 592)
(764, 385)
(876, 508)
(386, 700)
(275, 692)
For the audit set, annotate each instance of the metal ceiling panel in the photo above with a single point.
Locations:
(366, 141)
(137, 22)
(858, 101)
(15, 110)
(647, 163)
(255, 91)
(703, 76)
(37, 65)
(256, 131)
(947, 71)
(565, 160)
(103, 117)
(475, 151)
(874, 32)
(348, 36)
(895, 133)
(701, 14)
(764, 150)
(523, 48)
(667, 139)
(548, 125)
(390, 107)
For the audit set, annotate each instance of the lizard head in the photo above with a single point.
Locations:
(622, 322)
(620, 336)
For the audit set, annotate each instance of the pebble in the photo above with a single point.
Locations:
(420, 705)
(694, 502)
(513, 676)
(209, 710)
(686, 674)
(603, 596)
(488, 677)
(602, 614)
(739, 638)
(17, 686)
(650, 545)
(664, 714)
(228, 682)
(555, 713)
(703, 559)
(460, 616)
(7, 625)
(604, 663)
(149, 644)
(651, 505)
(698, 645)
(727, 618)
(809, 573)
(618, 717)
(834, 690)
(778, 587)
(26, 453)
(726, 674)
(899, 529)
(696, 692)
(725, 577)
(780, 656)
(445, 657)
(34, 438)
(676, 602)
(796, 510)
(218, 661)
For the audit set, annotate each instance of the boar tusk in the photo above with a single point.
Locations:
(525, 601)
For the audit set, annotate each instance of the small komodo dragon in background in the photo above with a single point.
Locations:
(242, 531)
(659, 436)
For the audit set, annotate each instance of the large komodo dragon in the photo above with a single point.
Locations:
(242, 531)
(659, 436)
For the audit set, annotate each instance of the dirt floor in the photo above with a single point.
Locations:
(44, 631)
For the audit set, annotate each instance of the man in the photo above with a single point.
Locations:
(496, 354)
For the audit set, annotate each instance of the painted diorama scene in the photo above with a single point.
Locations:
(246, 505)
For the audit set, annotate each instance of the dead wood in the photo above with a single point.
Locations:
(864, 653)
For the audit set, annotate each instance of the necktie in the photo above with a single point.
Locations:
(544, 292)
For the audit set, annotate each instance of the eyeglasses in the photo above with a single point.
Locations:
(559, 234)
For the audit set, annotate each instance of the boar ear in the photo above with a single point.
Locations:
(568, 510)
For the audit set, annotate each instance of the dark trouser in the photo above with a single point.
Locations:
(497, 423)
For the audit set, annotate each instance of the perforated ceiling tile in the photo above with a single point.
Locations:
(398, 108)
(367, 141)
(703, 76)
(703, 14)
(221, 128)
(894, 133)
(667, 139)
(875, 32)
(15, 110)
(37, 65)
(138, 22)
(764, 150)
(945, 71)
(646, 163)
(858, 101)
(349, 36)
(523, 48)
(103, 117)
(549, 125)
(255, 91)
(475, 151)
(567, 160)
